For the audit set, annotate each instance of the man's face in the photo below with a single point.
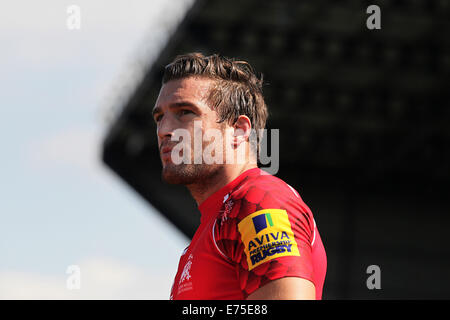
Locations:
(181, 107)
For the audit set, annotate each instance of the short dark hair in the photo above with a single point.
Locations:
(237, 90)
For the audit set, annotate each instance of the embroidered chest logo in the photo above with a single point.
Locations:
(228, 205)
(185, 282)
(185, 275)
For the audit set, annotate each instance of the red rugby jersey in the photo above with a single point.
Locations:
(253, 230)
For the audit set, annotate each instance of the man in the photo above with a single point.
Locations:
(257, 239)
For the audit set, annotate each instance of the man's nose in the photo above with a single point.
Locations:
(165, 127)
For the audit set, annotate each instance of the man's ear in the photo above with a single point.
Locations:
(242, 129)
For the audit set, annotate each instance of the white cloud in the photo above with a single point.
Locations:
(101, 278)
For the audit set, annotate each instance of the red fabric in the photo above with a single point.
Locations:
(215, 266)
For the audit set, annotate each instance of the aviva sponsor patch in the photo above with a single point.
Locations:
(267, 234)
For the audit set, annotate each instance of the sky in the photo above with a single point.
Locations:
(60, 205)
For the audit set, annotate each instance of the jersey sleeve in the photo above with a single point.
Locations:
(267, 234)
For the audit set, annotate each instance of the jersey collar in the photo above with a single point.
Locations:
(210, 207)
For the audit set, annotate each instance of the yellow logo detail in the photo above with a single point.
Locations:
(267, 234)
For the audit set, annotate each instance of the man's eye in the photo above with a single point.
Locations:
(158, 118)
(184, 112)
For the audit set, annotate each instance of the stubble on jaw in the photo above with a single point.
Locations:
(190, 174)
(196, 177)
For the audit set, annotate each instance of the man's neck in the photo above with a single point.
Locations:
(201, 191)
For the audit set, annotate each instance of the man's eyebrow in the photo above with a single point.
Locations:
(176, 105)
(180, 104)
(156, 110)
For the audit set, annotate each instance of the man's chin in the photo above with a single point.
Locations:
(187, 174)
(178, 174)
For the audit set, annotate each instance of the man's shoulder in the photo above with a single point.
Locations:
(256, 186)
(259, 192)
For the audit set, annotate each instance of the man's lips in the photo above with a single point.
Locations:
(166, 149)
(166, 152)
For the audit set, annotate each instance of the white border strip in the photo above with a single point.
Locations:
(214, 240)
